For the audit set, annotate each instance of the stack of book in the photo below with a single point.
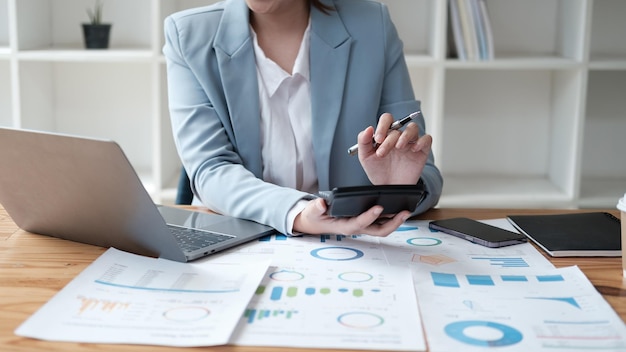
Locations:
(471, 30)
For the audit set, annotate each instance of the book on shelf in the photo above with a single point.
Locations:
(589, 234)
(471, 30)
(457, 49)
(488, 32)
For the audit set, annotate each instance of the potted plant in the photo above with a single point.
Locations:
(96, 33)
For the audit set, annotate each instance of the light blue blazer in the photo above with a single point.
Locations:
(357, 73)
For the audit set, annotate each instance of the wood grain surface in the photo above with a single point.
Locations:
(33, 268)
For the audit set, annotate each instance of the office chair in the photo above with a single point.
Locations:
(184, 196)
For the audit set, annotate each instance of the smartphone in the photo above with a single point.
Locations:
(353, 201)
(478, 232)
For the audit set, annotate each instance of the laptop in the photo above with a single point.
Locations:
(86, 190)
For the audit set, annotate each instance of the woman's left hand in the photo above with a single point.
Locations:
(398, 157)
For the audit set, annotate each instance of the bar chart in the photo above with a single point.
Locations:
(457, 280)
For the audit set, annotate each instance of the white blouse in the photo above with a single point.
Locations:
(285, 101)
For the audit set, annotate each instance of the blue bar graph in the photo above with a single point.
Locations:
(518, 278)
(276, 293)
(445, 280)
(451, 280)
(481, 280)
(549, 278)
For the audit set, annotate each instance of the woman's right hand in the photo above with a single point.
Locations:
(314, 220)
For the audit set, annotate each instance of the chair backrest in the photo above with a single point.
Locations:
(184, 196)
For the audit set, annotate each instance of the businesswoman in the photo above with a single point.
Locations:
(266, 96)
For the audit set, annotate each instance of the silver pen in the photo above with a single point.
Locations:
(396, 125)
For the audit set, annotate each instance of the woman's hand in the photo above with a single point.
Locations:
(313, 220)
(398, 157)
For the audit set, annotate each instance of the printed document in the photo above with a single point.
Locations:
(338, 292)
(126, 298)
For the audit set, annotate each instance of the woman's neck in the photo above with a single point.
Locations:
(280, 32)
(291, 18)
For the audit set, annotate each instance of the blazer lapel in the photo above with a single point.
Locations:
(330, 52)
(329, 56)
(235, 55)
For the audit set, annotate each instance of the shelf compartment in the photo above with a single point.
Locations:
(424, 87)
(4, 24)
(427, 83)
(110, 101)
(419, 24)
(493, 191)
(46, 24)
(518, 125)
(601, 192)
(603, 175)
(538, 28)
(608, 42)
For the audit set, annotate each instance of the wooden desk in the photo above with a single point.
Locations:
(33, 268)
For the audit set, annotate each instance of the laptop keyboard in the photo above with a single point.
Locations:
(192, 239)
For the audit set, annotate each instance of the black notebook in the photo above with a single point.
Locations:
(594, 234)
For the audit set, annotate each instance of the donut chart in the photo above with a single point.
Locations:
(360, 320)
(424, 241)
(458, 331)
(337, 253)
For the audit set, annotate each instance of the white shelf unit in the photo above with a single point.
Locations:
(527, 128)
(541, 125)
(57, 85)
